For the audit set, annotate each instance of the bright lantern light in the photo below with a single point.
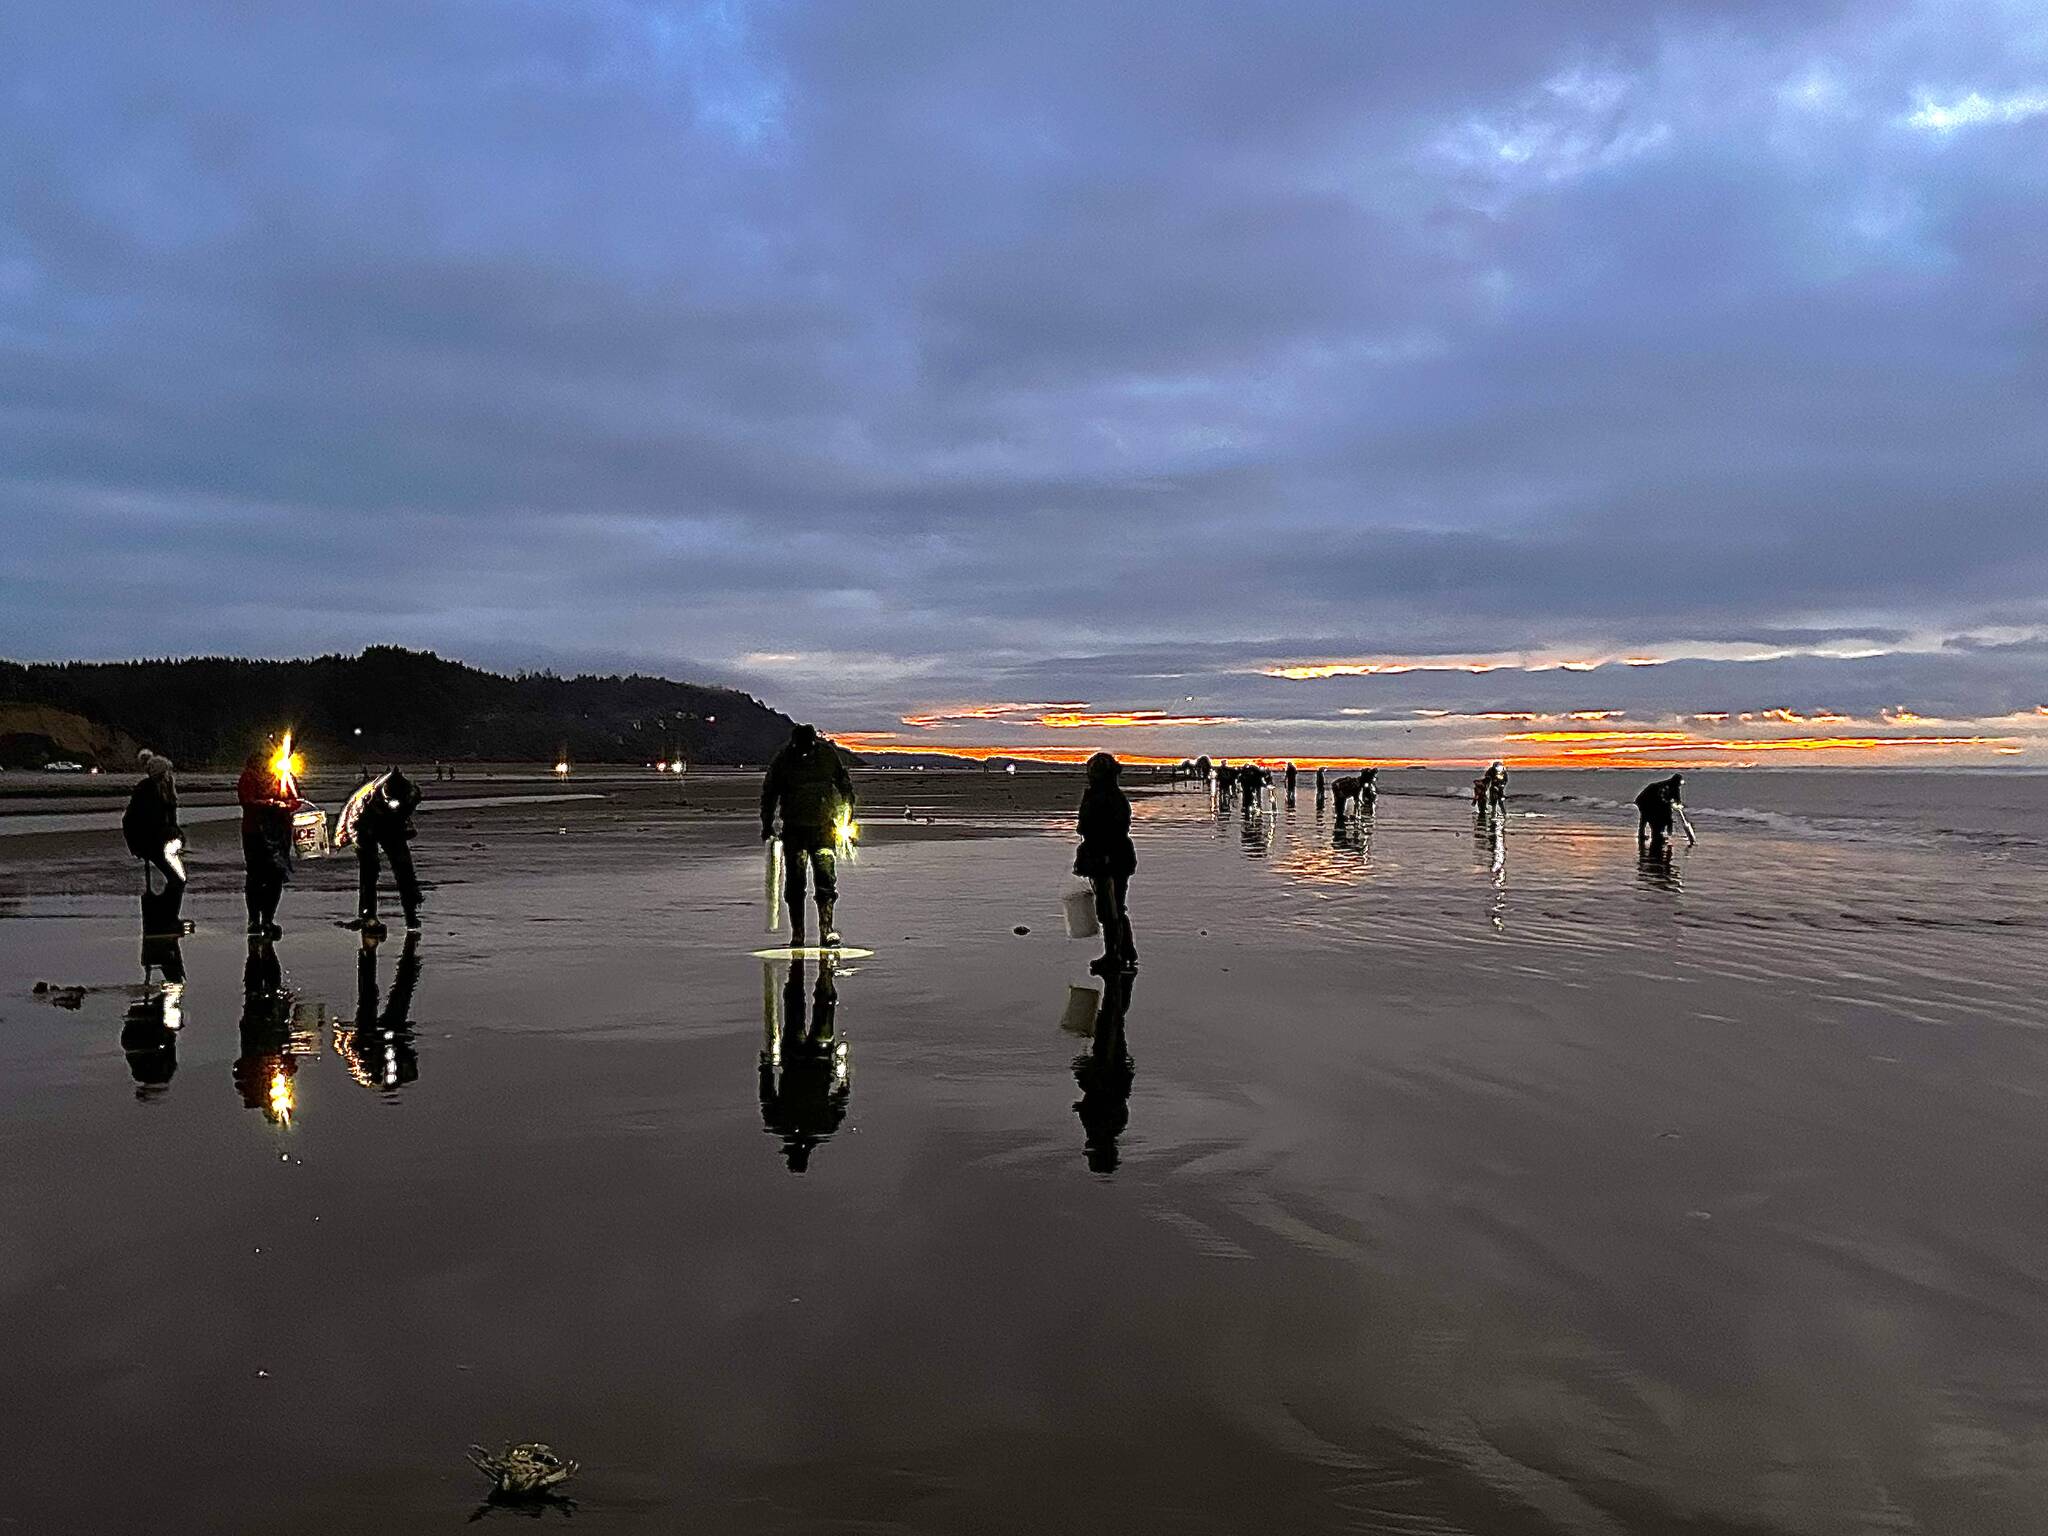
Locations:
(286, 766)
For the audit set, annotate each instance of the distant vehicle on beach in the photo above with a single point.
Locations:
(64, 767)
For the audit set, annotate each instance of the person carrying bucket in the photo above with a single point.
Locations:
(1107, 859)
(809, 784)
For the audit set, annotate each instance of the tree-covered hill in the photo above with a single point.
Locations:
(410, 706)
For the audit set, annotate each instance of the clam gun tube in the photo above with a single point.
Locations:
(774, 884)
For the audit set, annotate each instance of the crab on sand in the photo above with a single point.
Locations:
(527, 1471)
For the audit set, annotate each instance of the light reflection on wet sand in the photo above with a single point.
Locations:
(1450, 1182)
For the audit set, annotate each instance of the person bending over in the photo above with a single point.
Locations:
(378, 819)
(1656, 807)
(1490, 789)
(1357, 792)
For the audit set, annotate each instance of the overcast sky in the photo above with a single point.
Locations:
(970, 372)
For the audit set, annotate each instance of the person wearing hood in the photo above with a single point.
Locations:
(808, 783)
(378, 819)
(1656, 806)
(1490, 789)
(1107, 859)
(150, 828)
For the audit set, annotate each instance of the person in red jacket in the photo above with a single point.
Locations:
(268, 799)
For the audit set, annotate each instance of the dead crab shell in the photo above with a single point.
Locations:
(524, 1471)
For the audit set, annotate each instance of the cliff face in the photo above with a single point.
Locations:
(34, 734)
(386, 705)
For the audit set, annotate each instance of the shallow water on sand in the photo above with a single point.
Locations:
(1439, 1182)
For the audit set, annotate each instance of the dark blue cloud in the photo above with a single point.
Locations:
(884, 354)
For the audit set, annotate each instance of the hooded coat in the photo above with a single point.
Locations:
(809, 783)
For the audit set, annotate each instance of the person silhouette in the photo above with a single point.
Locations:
(1107, 859)
(808, 783)
(1104, 1073)
(1490, 789)
(806, 1074)
(1357, 792)
(1657, 807)
(149, 826)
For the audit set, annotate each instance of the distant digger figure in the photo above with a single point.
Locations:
(1490, 789)
(378, 820)
(808, 783)
(1656, 807)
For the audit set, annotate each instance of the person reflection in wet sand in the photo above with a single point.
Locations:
(1490, 837)
(1655, 866)
(263, 1072)
(806, 1073)
(1104, 1074)
(149, 1034)
(377, 1047)
(1255, 836)
(1351, 834)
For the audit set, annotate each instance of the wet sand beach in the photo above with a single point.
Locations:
(1437, 1179)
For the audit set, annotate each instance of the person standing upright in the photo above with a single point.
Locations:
(150, 828)
(1107, 859)
(268, 798)
(808, 783)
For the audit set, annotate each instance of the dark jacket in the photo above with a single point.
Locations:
(811, 787)
(266, 824)
(387, 813)
(1655, 803)
(151, 820)
(1105, 826)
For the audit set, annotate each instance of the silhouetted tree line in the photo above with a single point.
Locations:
(410, 705)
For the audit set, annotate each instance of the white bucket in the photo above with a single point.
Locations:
(1077, 905)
